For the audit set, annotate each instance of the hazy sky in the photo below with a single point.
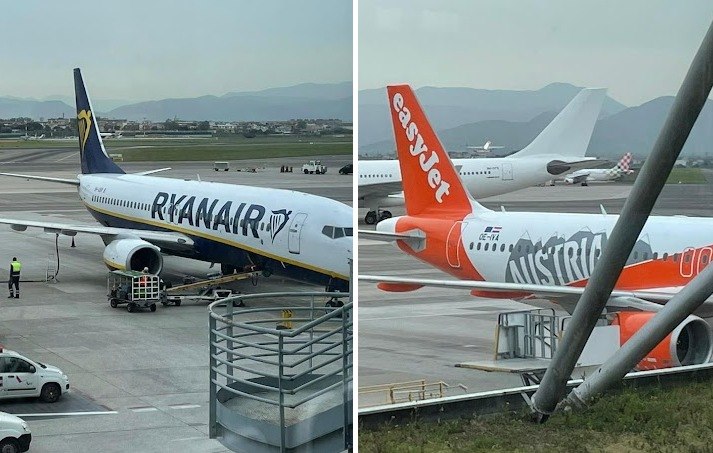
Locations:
(136, 49)
(639, 49)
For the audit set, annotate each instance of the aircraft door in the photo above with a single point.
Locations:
(506, 172)
(453, 244)
(17, 377)
(686, 263)
(293, 238)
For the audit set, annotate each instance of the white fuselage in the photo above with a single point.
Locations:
(285, 226)
(562, 249)
(482, 177)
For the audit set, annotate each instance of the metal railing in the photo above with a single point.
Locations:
(400, 392)
(282, 357)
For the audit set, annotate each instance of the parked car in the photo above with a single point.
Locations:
(348, 169)
(15, 435)
(22, 377)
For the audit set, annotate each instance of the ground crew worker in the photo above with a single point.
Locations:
(14, 280)
(143, 283)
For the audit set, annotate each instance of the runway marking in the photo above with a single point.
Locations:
(184, 406)
(64, 414)
(67, 157)
(143, 409)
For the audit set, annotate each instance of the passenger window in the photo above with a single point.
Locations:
(511, 247)
(478, 247)
(688, 258)
(495, 247)
(665, 256)
(597, 252)
(704, 259)
(519, 248)
(570, 252)
(487, 244)
(471, 246)
(646, 255)
(502, 247)
(656, 255)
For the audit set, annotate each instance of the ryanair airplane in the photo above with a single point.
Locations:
(293, 234)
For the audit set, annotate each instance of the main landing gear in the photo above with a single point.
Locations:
(371, 219)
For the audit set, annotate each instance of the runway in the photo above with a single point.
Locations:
(143, 377)
(421, 335)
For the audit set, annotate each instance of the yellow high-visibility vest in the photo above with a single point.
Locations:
(16, 266)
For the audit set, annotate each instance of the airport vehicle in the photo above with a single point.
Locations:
(486, 148)
(314, 167)
(135, 289)
(21, 377)
(558, 149)
(15, 434)
(522, 254)
(587, 175)
(225, 166)
(348, 169)
(143, 216)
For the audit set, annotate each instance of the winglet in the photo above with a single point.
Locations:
(430, 181)
(91, 149)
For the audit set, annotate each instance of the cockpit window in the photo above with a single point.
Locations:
(337, 232)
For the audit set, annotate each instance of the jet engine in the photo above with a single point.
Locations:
(133, 254)
(690, 343)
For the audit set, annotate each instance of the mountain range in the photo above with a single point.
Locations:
(307, 100)
(513, 124)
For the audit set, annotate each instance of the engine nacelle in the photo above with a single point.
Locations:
(690, 343)
(133, 254)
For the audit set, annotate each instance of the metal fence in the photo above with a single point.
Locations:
(281, 375)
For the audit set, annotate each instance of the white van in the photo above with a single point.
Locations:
(15, 435)
(21, 377)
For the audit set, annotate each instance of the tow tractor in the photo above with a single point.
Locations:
(136, 289)
(207, 290)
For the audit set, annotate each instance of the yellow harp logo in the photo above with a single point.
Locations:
(84, 123)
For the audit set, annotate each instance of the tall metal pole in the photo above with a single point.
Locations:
(644, 340)
(688, 103)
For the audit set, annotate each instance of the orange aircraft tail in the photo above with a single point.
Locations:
(431, 184)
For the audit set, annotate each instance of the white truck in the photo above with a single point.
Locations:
(15, 435)
(21, 377)
(314, 167)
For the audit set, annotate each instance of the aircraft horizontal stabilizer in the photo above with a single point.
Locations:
(151, 172)
(74, 182)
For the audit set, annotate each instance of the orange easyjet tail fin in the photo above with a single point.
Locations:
(431, 183)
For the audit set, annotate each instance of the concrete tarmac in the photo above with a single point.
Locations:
(421, 335)
(145, 374)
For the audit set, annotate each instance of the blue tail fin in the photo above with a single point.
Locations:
(91, 149)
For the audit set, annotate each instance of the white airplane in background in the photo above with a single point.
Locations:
(558, 149)
(587, 175)
(549, 255)
(293, 234)
(485, 149)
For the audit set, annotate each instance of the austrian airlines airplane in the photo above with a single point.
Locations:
(294, 234)
(587, 175)
(558, 149)
(518, 254)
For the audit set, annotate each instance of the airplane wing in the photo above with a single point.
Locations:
(74, 182)
(379, 190)
(566, 296)
(164, 239)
